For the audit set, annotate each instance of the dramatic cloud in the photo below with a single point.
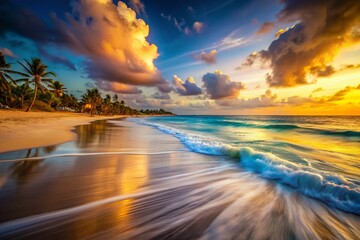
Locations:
(117, 87)
(198, 27)
(265, 28)
(187, 88)
(220, 86)
(23, 22)
(308, 48)
(56, 59)
(209, 58)
(7, 52)
(110, 36)
(137, 5)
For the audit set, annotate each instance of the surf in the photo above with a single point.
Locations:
(331, 188)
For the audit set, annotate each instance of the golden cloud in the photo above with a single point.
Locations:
(306, 50)
(114, 42)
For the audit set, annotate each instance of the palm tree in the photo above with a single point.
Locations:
(22, 93)
(116, 105)
(5, 86)
(106, 104)
(69, 101)
(57, 88)
(93, 98)
(34, 73)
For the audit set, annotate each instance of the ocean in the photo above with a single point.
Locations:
(188, 177)
(317, 155)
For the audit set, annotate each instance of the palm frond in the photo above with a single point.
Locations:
(49, 73)
(47, 80)
(42, 88)
(23, 80)
(31, 65)
(16, 72)
(26, 68)
(9, 77)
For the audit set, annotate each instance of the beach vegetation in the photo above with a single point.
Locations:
(34, 73)
(34, 88)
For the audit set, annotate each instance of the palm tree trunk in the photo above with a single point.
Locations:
(33, 101)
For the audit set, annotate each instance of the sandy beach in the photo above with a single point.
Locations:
(19, 129)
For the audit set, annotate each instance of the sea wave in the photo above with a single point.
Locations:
(282, 126)
(328, 187)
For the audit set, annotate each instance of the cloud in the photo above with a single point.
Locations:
(265, 100)
(141, 101)
(56, 59)
(265, 28)
(187, 31)
(117, 87)
(187, 88)
(339, 95)
(109, 36)
(165, 87)
(179, 24)
(138, 6)
(322, 71)
(255, 59)
(271, 100)
(350, 66)
(231, 41)
(220, 86)
(209, 58)
(198, 27)
(317, 90)
(158, 95)
(167, 17)
(308, 48)
(23, 22)
(8, 52)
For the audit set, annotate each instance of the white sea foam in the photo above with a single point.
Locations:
(331, 188)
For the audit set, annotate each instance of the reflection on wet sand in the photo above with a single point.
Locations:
(91, 134)
(173, 195)
(23, 171)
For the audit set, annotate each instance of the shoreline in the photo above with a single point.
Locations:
(21, 130)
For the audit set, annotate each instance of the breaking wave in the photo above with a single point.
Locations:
(334, 189)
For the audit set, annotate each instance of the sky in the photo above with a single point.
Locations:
(232, 57)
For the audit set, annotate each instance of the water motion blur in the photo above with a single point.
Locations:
(153, 186)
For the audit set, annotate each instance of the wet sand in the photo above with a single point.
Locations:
(19, 129)
(120, 180)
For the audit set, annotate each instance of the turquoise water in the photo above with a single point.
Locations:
(317, 156)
